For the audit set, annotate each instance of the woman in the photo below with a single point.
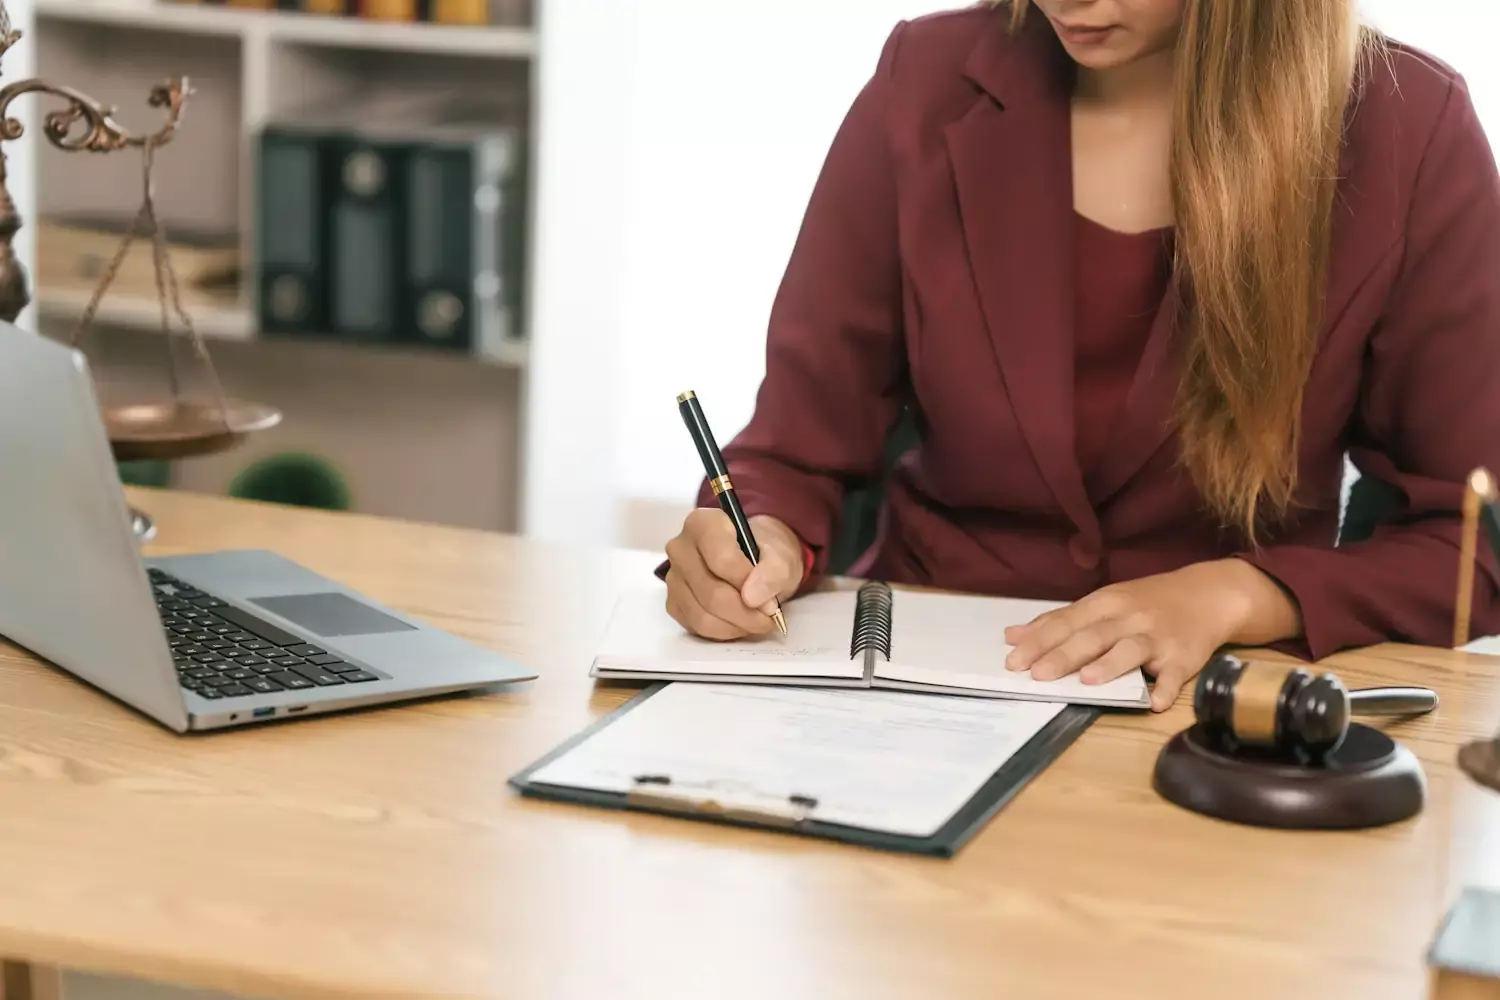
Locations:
(1142, 271)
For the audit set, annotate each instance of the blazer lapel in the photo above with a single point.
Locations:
(1012, 165)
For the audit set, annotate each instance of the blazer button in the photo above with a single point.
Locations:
(1084, 552)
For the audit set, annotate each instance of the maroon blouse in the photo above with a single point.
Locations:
(1121, 278)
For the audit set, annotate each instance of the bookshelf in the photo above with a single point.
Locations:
(289, 27)
(249, 68)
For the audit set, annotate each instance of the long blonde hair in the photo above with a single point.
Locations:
(1262, 91)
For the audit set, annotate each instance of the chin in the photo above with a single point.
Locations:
(1100, 59)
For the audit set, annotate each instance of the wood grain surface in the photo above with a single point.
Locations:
(380, 854)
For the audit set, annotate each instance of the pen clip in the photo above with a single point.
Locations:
(720, 800)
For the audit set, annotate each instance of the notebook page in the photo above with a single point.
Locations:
(877, 760)
(642, 637)
(958, 641)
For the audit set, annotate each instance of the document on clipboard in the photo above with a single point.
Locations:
(914, 772)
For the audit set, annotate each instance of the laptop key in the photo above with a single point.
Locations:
(218, 645)
(357, 676)
(318, 675)
(200, 674)
(201, 636)
(262, 684)
(340, 668)
(256, 626)
(240, 673)
(223, 629)
(235, 691)
(209, 693)
(306, 650)
(266, 668)
(220, 682)
(287, 679)
(256, 644)
(238, 637)
(324, 659)
(209, 657)
(251, 660)
(287, 661)
(207, 602)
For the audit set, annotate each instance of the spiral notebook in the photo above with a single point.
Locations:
(873, 637)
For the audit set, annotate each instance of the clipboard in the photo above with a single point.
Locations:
(790, 813)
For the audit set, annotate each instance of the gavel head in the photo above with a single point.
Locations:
(1275, 707)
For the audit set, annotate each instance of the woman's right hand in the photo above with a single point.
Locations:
(713, 591)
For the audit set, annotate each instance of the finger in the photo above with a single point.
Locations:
(1130, 652)
(1169, 684)
(1016, 634)
(1052, 629)
(1078, 650)
(767, 582)
(712, 593)
(720, 548)
(691, 615)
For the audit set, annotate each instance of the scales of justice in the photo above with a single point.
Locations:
(180, 423)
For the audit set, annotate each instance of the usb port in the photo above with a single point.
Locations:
(291, 709)
(263, 713)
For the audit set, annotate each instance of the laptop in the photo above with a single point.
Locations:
(196, 642)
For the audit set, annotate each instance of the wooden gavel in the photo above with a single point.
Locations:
(1288, 710)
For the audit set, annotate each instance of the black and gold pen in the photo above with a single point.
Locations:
(718, 480)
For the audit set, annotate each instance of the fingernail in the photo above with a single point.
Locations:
(769, 608)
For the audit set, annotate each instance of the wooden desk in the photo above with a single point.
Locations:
(381, 855)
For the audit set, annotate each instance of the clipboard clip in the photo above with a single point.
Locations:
(721, 801)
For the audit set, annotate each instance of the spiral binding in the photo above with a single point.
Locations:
(872, 621)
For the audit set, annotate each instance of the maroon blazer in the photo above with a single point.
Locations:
(934, 270)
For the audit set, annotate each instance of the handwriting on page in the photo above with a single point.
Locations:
(759, 652)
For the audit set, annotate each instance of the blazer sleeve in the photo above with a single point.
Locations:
(1429, 415)
(834, 371)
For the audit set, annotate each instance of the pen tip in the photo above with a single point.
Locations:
(780, 620)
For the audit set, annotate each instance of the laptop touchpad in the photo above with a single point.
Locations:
(332, 615)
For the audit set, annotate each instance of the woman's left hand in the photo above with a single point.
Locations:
(1170, 625)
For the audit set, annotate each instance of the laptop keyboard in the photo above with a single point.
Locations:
(221, 651)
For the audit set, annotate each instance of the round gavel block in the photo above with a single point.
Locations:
(1481, 761)
(1370, 780)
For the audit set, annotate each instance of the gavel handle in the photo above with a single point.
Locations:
(1393, 701)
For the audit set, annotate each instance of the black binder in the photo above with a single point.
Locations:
(366, 231)
(291, 250)
(464, 271)
(791, 817)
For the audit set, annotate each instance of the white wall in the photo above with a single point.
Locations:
(680, 142)
(1459, 32)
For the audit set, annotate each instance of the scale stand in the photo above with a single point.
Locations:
(179, 425)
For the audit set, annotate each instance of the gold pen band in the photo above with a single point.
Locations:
(720, 484)
(690, 394)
